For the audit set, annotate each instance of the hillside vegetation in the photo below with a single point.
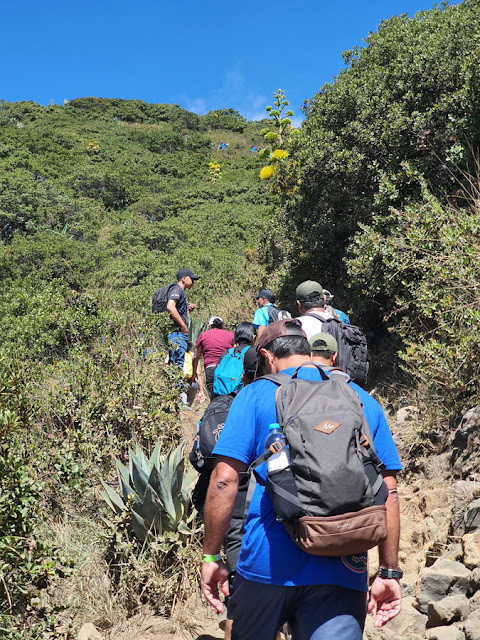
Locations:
(379, 197)
(102, 200)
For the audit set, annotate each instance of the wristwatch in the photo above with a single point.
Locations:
(396, 574)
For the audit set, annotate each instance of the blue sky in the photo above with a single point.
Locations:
(201, 55)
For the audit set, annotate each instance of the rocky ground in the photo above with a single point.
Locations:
(439, 554)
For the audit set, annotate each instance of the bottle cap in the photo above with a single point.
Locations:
(274, 425)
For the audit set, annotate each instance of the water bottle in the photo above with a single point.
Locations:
(280, 475)
(281, 459)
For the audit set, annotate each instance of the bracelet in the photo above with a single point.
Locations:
(207, 558)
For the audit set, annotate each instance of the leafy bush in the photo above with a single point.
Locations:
(420, 267)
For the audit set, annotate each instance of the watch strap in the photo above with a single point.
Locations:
(389, 574)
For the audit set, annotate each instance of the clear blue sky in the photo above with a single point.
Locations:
(201, 55)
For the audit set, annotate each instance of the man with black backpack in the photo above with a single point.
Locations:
(353, 356)
(172, 298)
(267, 312)
(278, 581)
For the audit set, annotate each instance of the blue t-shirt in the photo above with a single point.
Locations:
(260, 318)
(342, 316)
(268, 554)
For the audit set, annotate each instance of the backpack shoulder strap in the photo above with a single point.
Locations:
(323, 320)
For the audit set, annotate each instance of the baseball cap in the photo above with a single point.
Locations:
(323, 342)
(290, 327)
(183, 273)
(212, 320)
(309, 291)
(266, 293)
(250, 361)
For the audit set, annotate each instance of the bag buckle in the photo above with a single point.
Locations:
(275, 447)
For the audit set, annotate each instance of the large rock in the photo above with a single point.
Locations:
(408, 625)
(444, 577)
(464, 491)
(448, 610)
(471, 626)
(472, 516)
(471, 549)
(445, 633)
(465, 447)
(88, 631)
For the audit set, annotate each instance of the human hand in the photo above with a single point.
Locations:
(184, 330)
(201, 396)
(387, 595)
(213, 573)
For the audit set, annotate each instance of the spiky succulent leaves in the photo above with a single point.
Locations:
(123, 472)
(144, 461)
(138, 526)
(176, 466)
(150, 510)
(164, 492)
(139, 476)
(112, 498)
(155, 456)
(128, 491)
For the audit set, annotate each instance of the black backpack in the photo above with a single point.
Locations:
(209, 430)
(353, 356)
(275, 314)
(331, 498)
(160, 299)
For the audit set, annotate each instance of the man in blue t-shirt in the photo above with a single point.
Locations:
(321, 597)
(261, 318)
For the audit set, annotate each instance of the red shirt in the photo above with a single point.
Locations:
(214, 342)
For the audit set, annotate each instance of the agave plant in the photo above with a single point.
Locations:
(155, 492)
(195, 329)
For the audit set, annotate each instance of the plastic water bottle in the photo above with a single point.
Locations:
(281, 459)
(280, 474)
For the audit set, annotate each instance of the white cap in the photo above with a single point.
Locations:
(212, 320)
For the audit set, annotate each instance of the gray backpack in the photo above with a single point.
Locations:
(332, 497)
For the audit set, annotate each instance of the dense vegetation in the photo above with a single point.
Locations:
(101, 200)
(379, 195)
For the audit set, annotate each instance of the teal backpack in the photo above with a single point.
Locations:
(228, 373)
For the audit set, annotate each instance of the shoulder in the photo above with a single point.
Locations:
(175, 292)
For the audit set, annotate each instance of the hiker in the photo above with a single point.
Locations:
(311, 300)
(267, 312)
(336, 313)
(211, 344)
(179, 308)
(277, 581)
(227, 375)
(202, 458)
(324, 352)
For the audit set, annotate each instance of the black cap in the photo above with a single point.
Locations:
(250, 361)
(266, 293)
(183, 273)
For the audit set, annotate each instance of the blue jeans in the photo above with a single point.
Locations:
(176, 356)
(314, 612)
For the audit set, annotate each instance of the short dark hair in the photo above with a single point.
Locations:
(325, 354)
(244, 333)
(287, 346)
(313, 304)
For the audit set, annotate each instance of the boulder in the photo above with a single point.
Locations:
(464, 491)
(471, 626)
(406, 414)
(431, 499)
(472, 516)
(445, 633)
(88, 631)
(444, 577)
(465, 445)
(449, 609)
(471, 549)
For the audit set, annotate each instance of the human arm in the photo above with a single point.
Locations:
(173, 311)
(221, 495)
(386, 593)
